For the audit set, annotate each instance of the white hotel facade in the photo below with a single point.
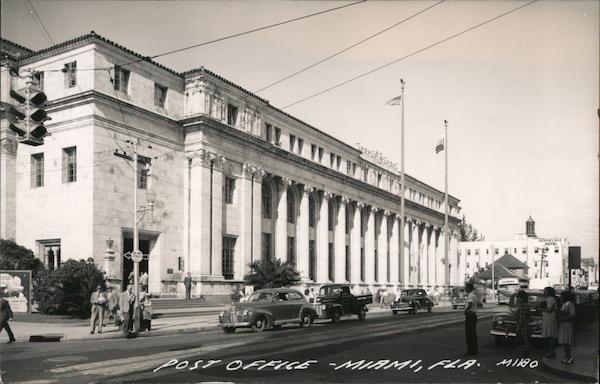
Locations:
(233, 179)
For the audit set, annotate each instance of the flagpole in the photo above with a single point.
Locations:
(446, 232)
(402, 190)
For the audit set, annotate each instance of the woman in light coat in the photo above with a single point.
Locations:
(550, 321)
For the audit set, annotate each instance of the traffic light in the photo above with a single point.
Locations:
(27, 118)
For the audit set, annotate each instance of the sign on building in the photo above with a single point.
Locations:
(574, 257)
(15, 287)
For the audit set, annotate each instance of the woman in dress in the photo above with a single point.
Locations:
(523, 329)
(565, 329)
(550, 321)
(147, 312)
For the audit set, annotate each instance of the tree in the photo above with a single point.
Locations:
(16, 257)
(468, 232)
(67, 290)
(272, 274)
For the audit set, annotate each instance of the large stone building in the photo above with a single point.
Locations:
(546, 258)
(232, 179)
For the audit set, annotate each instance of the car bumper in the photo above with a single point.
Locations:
(235, 325)
(495, 332)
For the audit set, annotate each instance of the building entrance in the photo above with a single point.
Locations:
(128, 263)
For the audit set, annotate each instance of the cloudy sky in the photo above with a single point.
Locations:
(521, 92)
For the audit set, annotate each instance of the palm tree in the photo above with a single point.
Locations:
(272, 274)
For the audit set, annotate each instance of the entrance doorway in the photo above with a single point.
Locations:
(128, 263)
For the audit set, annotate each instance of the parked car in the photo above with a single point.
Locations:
(268, 308)
(504, 324)
(336, 300)
(411, 300)
(458, 297)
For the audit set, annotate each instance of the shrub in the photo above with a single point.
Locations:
(67, 290)
(272, 274)
(16, 257)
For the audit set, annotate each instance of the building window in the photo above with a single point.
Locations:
(228, 257)
(524, 250)
(50, 252)
(266, 202)
(228, 190)
(330, 218)
(331, 160)
(39, 80)
(277, 136)
(143, 168)
(331, 263)
(121, 79)
(348, 168)
(353, 169)
(505, 251)
(477, 252)
(321, 152)
(468, 252)
(487, 251)
(547, 275)
(313, 151)
(232, 113)
(536, 250)
(266, 246)
(348, 265)
(312, 212)
(70, 71)
(180, 265)
(312, 265)
(269, 133)
(338, 159)
(291, 208)
(300, 146)
(160, 95)
(555, 249)
(362, 264)
(291, 249)
(69, 164)
(37, 170)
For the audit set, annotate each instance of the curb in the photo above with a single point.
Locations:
(568, 374)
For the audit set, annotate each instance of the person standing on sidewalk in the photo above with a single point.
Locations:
(471, 319)
(187, 281)
(98, 300)
(550, 321)
(126, 303)
(523, 329)
(6, 314)
(144, 281)
(565, 330)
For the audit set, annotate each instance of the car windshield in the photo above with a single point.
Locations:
(325, 291)
(407, 293)
(261, 296)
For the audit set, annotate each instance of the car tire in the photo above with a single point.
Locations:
(429, 307)
(454, 306)
(336, 316)
(499, 340)
(229, 329)
(305, 319)
(277, 326)
(395, 312)
(362, 314)
(259, 324)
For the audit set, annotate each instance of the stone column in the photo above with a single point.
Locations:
(370, 246)
(454, 277)
(442, 259)
(425, 255)
(340, 242)
(414, 254)
(355, 243)
(215, 267)
(395, 251)
(258, 175)
(430, 255)
(323, 239)
(244, 247)
(282, 219)
(382, 247)
(302, 230)
(436, 254)
(198, 213)
(406, 263)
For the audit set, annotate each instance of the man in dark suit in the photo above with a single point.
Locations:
(5, 315)
(126, 304)
(187, 281)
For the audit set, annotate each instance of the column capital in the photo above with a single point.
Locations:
(427, 225)
(259, 174)
(327, 195)
(344, 200)
(360, 205)
(217, 160)
(285, 182)
(308, 189)
(374, 209)
(387, 213)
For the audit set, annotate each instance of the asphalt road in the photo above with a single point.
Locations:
(426, 347)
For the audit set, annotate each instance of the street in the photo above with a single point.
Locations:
(426, 347)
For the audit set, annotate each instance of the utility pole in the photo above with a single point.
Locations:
(446, 231)
(493, 277)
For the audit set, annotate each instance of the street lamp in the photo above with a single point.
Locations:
(493, 277)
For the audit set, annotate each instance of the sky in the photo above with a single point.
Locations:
(521, 93)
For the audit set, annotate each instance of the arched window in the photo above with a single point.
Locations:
(267, 202)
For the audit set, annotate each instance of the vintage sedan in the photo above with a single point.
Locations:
(504, 324)
(268, 308)
(411, 300)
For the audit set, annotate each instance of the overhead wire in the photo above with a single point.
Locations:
(407, 56)
(346, 49)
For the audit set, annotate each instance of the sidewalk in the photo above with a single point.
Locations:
(585, 357)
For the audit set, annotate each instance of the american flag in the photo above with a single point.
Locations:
(440, 146)
(395, 101)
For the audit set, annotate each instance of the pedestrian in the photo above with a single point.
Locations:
(144, 281)
(311, 295)
(187, 281)
(98, 301)
(130, 278)
(113, 305)
(550, 321)
(471, 319)
(391, 297)
(147, 312)
(126, 303)
(436, 296)
(565, 329)
(523, 327)
(6, 315)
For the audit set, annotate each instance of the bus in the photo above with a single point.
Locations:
(509, 285)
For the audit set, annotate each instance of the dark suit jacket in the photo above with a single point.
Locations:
(5, 311)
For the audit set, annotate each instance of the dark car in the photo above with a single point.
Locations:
(335, 301)
(458, 296)
(268, 308)
(411, 300)
(504, 324)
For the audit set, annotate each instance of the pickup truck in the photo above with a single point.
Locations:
(335, 301)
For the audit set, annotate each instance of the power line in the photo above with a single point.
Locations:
(409, 55)
(347, 48)
(39, 21)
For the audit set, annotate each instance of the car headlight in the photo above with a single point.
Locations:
(221, 314)
(323, 307)
(246, 313)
